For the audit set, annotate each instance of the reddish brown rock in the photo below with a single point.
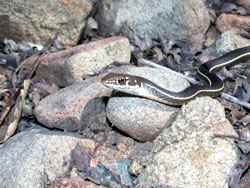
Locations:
(75, 107)
(69, 66)
(233, 22)
(107, 155)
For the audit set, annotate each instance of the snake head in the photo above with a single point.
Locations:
(121, 81)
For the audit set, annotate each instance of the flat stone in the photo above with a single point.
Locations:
(173, 19)
(106, 174)
(70, 182)
(27, 156)
(226, 42)
(244, 3)
(108, 155)
(211, 35)
(67, 67)
(77, 106)
(38, 21)
(144, 119)
(102, 174)
(187, 155)
(122, 168)
(233, 22)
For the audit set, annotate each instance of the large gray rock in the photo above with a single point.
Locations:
(144, 119)
(37, 21)
(27, 157)
(173, 19)
(186, 155)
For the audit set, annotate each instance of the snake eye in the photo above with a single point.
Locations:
(121, 80)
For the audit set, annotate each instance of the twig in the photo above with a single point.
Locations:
(12, 100)
(230, 136)
(193, 81)
(17, 70)
(235, 100)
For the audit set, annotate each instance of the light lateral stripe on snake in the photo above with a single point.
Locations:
(140, 86)
(184, 98)
(229, 62)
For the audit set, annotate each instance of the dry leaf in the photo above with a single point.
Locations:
(196, 44)
(81, 158)
(9, 127)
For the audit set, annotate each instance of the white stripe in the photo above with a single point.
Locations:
(228, 62)
(186, 98)
(210, 83)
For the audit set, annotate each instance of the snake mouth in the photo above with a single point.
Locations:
(113, 80)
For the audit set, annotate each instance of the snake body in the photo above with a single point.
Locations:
(213, 86)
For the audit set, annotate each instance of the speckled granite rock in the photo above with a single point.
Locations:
(77, 106)
(226, 42)
(67, 67)
(27, 156)
(186, 155)
(37, 21)
(141, 118)
(173, 19)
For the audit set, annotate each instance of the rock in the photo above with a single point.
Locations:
(113, 172)
(75, 107)
(172, 19)
(108, 155)
(214, 3)
(121, 168)
(187, 155)
(135, 168)
(30, 155)
(229, 41)
(226, 42)
(124, 147)
(102, 175)
(233, 22)
(247, 73)
(37, 21)
(245, 181)
(211, 35)
(69, 183)
(141, 118)
(244, 3)
(69, 66)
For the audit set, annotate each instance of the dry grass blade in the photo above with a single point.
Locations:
(12, 100)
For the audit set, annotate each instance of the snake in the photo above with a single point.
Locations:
(212, 84)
